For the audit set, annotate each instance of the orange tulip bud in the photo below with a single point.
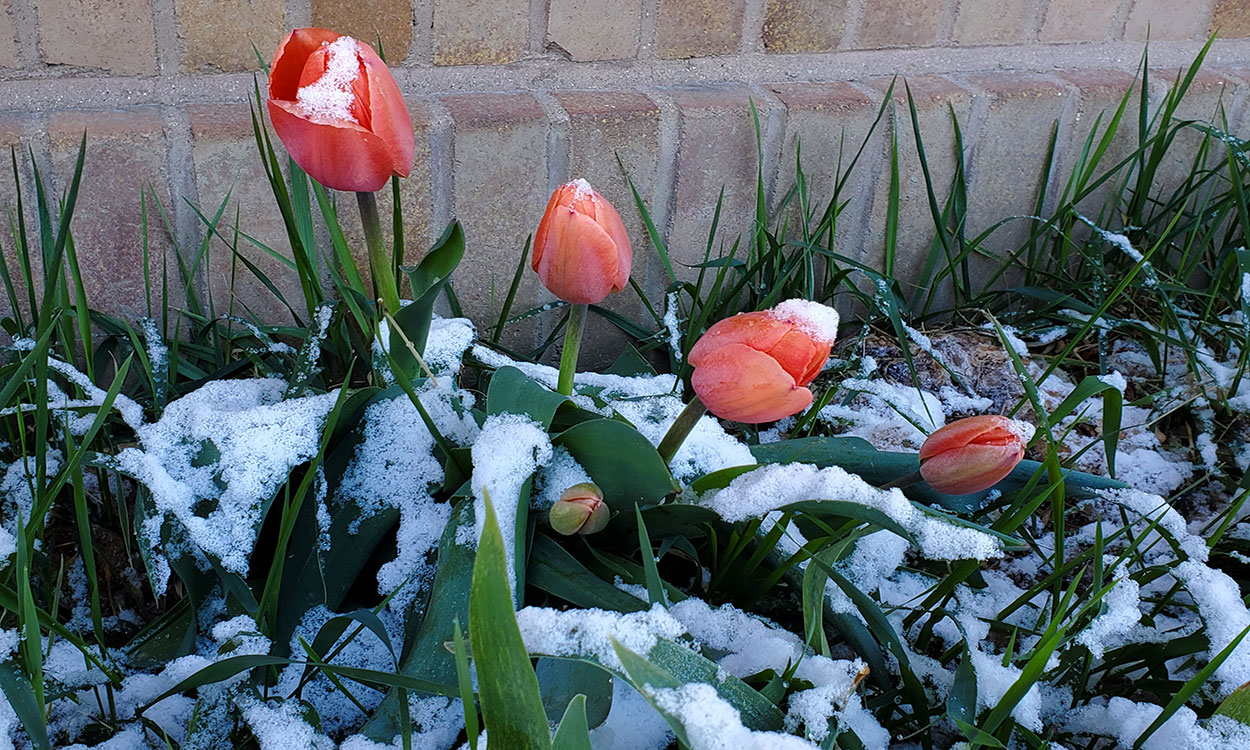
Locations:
(581, 251)
(338, 111)
(972, 454)
(580, 510)
(755, 367)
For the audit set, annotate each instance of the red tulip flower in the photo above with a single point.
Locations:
(972, 454)
(581, 251)
(338, 111)
(755, 367)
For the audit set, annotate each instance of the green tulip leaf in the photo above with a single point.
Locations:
(621, 461)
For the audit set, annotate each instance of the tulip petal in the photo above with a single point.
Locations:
(607, 217)
(390, 119)
(578, 260)
(739, 383)
(341, 156)
(559, 197)
(973, 468)
(288, 61)
(758, 330)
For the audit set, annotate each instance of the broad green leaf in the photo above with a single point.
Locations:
(621, 461)
(554, 570)
(1237, 705)
(645, 676)
(428, 278)
(507, 686)
(961, 702)
(563, 680)
(512, 392)
(16, 688)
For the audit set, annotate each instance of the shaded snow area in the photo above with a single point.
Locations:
(215, 457)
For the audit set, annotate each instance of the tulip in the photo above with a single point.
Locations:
(755, 367)
(338, 111)
(581, 250)
(582, 254)
(972, 454)
(580, 510)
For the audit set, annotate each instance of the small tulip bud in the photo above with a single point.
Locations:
(580, 510)
(972, 454)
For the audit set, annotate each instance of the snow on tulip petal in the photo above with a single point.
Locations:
(339, 112)
(742, 384)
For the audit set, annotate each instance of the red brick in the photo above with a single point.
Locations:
(595, 29)
(1231, 18)
(499, 193)
(900, 23)
(1077, 21)
(479, 32)
(114, 35)
(698, 28)
(8, 37)
(1166, 19)
(366, 20)
(716, 150)
(803, 25)
(125, 156)
(992, 21)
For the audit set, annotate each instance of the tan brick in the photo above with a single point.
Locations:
(595, 29)
(717, 150)
(366, 20)
(125, 156)
(900, 23)
(829, 121)
(992, 21)
(1231, 18)
(1209, 99)
(220, 34)
(226, 162)
(114, 35)
(1166, 19)
(803, 25)
(8, 37)
(602, 127)
(935, 99)
(1077, 21)
(479, 32)
(499, 194)
(1009, 159)
(698, 28)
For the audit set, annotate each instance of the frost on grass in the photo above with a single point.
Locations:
(506, 454)
(216, 455)
(712, 724)
(17, 498)
(768, 488)
(890, 416)
(605, 387)
(394, 467)
(589, 632)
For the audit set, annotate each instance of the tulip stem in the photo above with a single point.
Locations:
(572, 344)
(906, 480)
(379, 259)
(681, 427)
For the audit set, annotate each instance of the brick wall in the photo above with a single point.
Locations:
(512, 97)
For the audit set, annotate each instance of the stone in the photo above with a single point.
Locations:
(992, 21)
(366, 20)
(126, 154)
(900, 23)
(224, 35)
(479, 32)
(698, 28)
(112, 35)
(595, 29)
(803, 25)
(8, 37)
